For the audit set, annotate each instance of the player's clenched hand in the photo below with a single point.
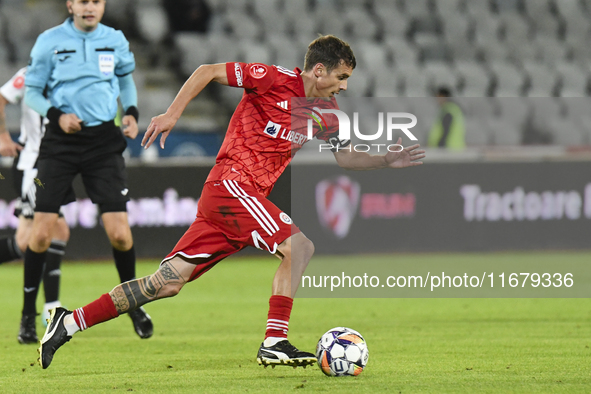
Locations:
(70, 123)
(130, 128)
(8, 147)
(407, 157)
(161, 124)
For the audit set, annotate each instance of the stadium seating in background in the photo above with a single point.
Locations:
(542, 80)
(403, 53)
(412, 81)
(543, 112)
(195, 49)
(552, 50)
(441, 74)
(509, 80)
(374, 57)
(405, 48)
(394, 24)
(155, 101)
(507, 6)
(151, 24)
(505, 49)
(361, 85)
(474, 80)
(577, 108)
(482, 108)
(4, 52)
(477, 132)
(286, 54)
(254, 51)
(267, 9)
(426, 111)
(515, 110)
(388, 85)
(242, 25)
(360, 25)
(458, 35)
(565, 131)
(504, 132)
(278, 26)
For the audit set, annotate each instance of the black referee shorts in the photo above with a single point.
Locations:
(93, 152)
(25, 205)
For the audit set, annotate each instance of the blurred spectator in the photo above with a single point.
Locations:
(188, 15)
(448, 130)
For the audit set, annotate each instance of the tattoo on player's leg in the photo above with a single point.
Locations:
(135, 293)
(169, 273)
(119, 299)
(147, 287)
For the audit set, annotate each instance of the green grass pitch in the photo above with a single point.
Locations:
(207, 337)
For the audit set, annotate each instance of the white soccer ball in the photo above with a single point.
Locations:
(342, 351)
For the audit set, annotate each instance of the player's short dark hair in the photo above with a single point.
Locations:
(330, 51)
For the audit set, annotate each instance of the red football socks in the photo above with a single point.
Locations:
(278, 318)
(96, 312)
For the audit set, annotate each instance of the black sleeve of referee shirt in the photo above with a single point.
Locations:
(133, 111)
(53, 114)
(446, 123)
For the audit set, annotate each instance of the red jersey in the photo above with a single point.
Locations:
(260, 142)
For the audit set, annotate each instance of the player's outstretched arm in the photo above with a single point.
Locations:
(163, 124)
(407, 157)
(7, 146)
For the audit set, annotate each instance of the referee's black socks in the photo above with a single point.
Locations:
(53, 273)
(33, 272)
(9, 249)
(125, 263)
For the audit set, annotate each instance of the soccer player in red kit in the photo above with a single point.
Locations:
(233, 211)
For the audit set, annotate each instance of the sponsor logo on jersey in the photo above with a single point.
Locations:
(292, 136)
(275, 129)
(282, 104)
(258, 71)
(285, 218)
(238, 73)
(18, 82)
(107, 64)
(272, 129)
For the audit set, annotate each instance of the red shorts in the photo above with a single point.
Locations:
(231, 216)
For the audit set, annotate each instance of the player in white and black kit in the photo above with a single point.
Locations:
(25, 153)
